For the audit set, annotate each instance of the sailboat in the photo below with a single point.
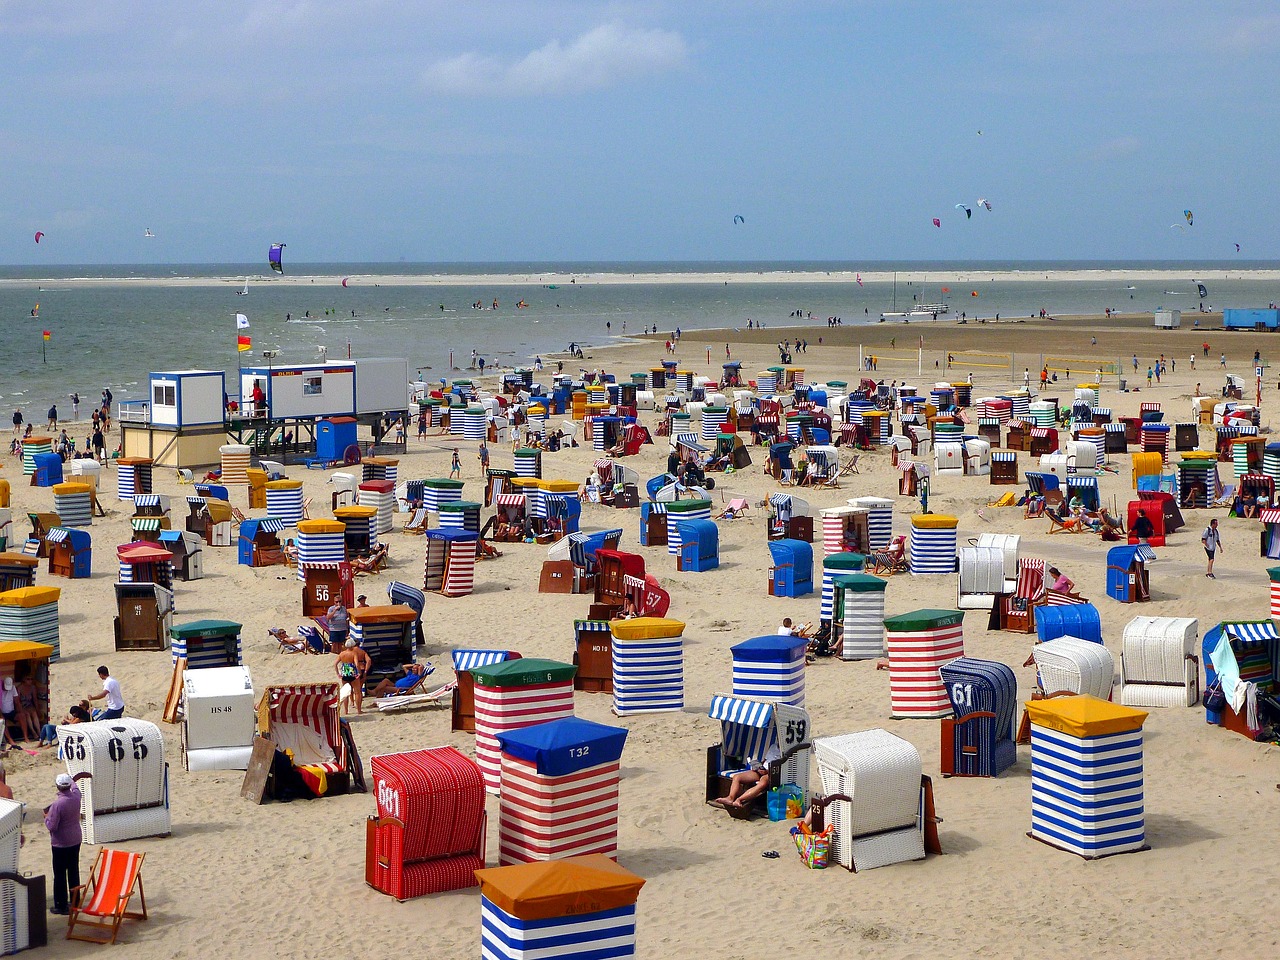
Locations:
(245, 291)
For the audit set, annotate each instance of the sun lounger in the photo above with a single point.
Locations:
(419, 697)
(102, 904)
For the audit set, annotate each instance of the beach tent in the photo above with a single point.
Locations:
(857, 620)
(388, 634)
(450, 562)
(1086, 776)
(70, 552)
(1128, 579)
(580, 907)
(561, 790)
(593, 656)
(979, 740)
(31, 613)
(1159, 664)
(770, 667)
(260, 542)
(790, 518)
(514, 694)
(428, 833)
(647, 665)
(699, 546)
(753, 732)
(919, 643)
(889, 810)
(207, 643)
(127, 796)
(144, 616)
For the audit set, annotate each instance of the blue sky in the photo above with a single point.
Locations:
(438, 131)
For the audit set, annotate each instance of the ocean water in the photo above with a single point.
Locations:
(116, 334)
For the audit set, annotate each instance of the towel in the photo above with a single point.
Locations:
(1224, 664)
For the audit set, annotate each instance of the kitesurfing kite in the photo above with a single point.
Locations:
(147, 234)
(1202, 290)
(273, 257)
(983, 202)
(937, 222)
(739, 218)
(1237, 248)
(39, 234)
(967, 211)
(344, 281)
(859, 279)
(1189, 217)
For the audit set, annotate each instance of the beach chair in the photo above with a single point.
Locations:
(418, 696)
(374, 562)
(736, 510)
(1070, 525)
(274, 469)
(102, 904)
(417, 522)
(288, 644)
(185, 477)
(891, 560)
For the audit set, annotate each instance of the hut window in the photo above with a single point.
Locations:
(164, 395)
(312, 386)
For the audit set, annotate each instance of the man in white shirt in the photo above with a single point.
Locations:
(786, 629)
(112, 694)
(1212, 541)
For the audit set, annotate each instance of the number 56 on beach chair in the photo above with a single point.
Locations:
(102, 904)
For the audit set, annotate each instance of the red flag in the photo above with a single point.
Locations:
(48, 335)
(243, 344)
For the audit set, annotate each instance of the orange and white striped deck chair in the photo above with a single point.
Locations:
(102, 904)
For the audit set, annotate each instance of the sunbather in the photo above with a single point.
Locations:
(411, 676)
(748, 784)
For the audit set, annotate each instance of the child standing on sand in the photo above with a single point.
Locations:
(455, 467)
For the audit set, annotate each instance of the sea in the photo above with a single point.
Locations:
(114, 334)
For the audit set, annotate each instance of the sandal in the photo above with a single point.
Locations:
(770, 854)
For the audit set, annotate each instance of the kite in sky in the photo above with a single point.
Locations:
(1189, 217)
(273, 257)
(983, 202)
(967, 211)
(937, 222)
(739, 218)
(39, 235)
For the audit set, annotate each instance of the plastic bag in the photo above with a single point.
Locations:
(814, 848)
(786, 802)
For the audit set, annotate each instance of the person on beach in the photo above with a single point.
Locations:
(75, 406)
(455, 466)
(339, 621)
(62, 820)
(1212, 541)
(9, 710)
(352, 666)
(53, 417)
(748, 784)
(483, 455)
(99, 443)
(422, 426)
(1222, 362)
(1150, 373)
(111, 693)
(17, 422)
(1061, 582)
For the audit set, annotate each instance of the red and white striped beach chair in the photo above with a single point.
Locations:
(102, 904)
(303, 720)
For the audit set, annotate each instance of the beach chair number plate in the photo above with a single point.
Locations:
(962, 694)
(794, 731)
(73, 747)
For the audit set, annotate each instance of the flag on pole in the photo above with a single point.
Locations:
(244, 344)
(242, 322)
(48, 335)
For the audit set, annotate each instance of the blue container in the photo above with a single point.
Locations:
(333, 436)
(792, 574)
(48, 470)
(1079, 620)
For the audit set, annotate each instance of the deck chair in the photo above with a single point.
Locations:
(288, 644)
(306, 507)
(1070, 525)
(372, 563)
(316, 643)
(237, 517)
(418, 696)
(786, 477)
(185, 476)
(736, 510)
(102, 904)
(417, 522)
(850, 465)
(889, 561)
(274, 468)
(1226, 498)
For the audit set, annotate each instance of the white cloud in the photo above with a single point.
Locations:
(599, 58)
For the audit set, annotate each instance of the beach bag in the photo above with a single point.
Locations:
(1214, 699)
(786, 802)
(814, 848)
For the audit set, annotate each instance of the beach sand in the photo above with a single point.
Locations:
(239, 880)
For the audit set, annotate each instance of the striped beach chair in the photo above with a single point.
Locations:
(102, 904)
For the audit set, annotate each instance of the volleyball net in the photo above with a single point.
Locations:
(1083, 366)
(972, 358)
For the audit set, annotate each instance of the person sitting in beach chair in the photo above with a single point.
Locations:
(891, 560)
(373, 562)
(417, 522)
(746, 785)
(410, 681)
(1063, 521)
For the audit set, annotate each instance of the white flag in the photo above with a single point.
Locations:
(242, 322)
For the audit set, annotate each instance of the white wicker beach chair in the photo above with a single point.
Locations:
(1075, 665)
(1158, 662)
(883, 822)
(127, 795)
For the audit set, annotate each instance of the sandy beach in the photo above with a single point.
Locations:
(241, 880)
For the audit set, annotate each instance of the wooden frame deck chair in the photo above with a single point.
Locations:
(419, 695)
(102, 904)
(891, 560)
(736, 509)
(417, 522)
(185, 477)
(1069, 525)
(374, 562)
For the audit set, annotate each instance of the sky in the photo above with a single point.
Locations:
(380, 130)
